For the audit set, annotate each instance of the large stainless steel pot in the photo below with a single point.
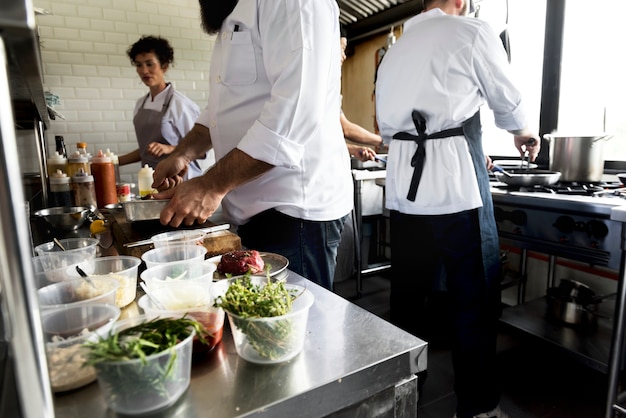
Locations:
(574, 303)
(578, 158)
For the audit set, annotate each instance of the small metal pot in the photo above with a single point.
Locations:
(578, 158)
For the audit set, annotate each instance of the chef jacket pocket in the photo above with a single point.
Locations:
(238, 53)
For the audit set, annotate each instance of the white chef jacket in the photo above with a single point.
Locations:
(446, 67)
(275, 94)
(178, 119)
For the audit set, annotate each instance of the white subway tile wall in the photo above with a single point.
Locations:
(83, 49)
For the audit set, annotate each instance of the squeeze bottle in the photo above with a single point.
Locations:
(145, 180)
(104, 179)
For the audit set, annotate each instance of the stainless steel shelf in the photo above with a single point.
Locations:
(589, 345)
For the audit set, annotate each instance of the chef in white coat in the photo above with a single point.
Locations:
(283, 170)
(430, 87)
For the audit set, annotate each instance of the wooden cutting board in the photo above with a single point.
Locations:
(125, 232)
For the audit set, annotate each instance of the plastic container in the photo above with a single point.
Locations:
(84, 189)
(72, 292)
(81, 148)
(103, 172)
(77, 161)
(178, 237)
(211, 319)
(139, 386)
(273, 339)
(60, 190)
(145, 180)
(51, 258)
(123, 192)
(56, 162)
(122, 268)
(66, 329)
(179, 272)
(172, 253)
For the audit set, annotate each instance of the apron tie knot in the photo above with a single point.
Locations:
(419, 157)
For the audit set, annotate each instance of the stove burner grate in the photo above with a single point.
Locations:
(569, 188)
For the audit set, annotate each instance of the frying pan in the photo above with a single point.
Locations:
(528, 177)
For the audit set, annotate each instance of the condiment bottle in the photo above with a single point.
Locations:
(56, 162)
(60, 145)
(116, 163)
(84, 189)
(76, 162)
(145, 181)
(104, 179)
(81, 147)
(60, 190)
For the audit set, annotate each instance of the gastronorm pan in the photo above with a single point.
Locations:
(143, 210)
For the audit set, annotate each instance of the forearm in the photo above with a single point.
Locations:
(358, 134)
(195, 144)
(131, 157)
(235, 169)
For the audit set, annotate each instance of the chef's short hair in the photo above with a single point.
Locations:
(159, 46)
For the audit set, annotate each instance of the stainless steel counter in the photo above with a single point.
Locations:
(350, 357)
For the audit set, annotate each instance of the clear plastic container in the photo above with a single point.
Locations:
(145, 385)
(56, 162)
(122, 268)
(84, 189)
(273, 339)
(78, 292)
(172, 253)
(50, 258)
(76, 162)
(178, 237)
(65, 330)
(60, 190)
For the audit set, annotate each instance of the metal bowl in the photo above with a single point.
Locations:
(68, 218)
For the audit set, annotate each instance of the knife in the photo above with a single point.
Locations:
(205, 230)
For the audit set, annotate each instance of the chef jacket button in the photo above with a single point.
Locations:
(218, 79)
(213, 124)
(224, 35)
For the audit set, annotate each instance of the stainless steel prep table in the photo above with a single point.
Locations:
(351, 359)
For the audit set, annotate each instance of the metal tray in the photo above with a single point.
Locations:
(143, 210)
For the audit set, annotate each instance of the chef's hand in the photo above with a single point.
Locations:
(191, 201)
(527, 143)
(489, 163)
(361, 153)
(157, 149)
(169, 172)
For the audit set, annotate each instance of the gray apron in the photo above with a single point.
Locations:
(472, 130)
(148, 129)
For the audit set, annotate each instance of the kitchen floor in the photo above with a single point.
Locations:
(537, 380)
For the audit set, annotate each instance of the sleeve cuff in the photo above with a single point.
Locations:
(265, 145)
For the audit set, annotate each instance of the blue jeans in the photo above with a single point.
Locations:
(310, 246)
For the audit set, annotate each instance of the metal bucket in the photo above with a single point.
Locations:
(577, 158)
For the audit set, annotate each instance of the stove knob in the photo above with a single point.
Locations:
(518, 217)
(565, 224)
(597, 229)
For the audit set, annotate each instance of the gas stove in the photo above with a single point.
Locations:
(570, 220)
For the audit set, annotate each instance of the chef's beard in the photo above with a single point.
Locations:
(213, 13)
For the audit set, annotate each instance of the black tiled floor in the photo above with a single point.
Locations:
(537, 380)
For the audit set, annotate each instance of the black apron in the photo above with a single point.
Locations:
(147, 124)
(472, 131)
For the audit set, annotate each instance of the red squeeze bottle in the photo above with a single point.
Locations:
(103, 172)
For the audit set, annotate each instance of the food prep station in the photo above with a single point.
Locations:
(373, 365)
